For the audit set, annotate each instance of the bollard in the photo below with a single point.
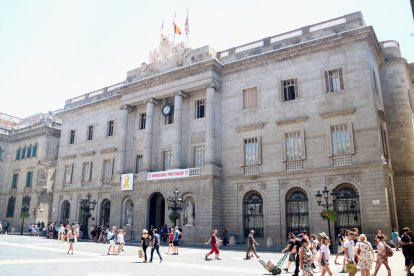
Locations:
(232, 240)
(269, 242)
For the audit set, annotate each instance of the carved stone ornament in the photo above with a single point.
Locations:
(283, 184)
(41, 178)
(242, 187)
(262, 186)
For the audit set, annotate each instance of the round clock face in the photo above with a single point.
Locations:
(166, 110)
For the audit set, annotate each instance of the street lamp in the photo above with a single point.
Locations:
(251, 212)
(326, 205)
(86, 206)
(24, 214)
(175, 204)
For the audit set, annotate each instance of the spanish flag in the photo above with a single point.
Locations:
(176, 29)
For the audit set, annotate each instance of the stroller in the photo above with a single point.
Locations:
(275, 269)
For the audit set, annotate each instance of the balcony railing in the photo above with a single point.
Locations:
(251, 170)
(195, 171)
(344, 160)
(292, 166)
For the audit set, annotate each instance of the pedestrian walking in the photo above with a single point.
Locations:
(305, 258)
(395, 239)
(71, 238)
(145, 239)
(170, 240)
(214, 241)
(365, 254)
(120, 240)
(349, 252)
(340, 243)
(156, 240)
(290, 248)
(251, 245)
(382, 256)
(225, 237)
(112, 238)
(176, 241)
(407, 247)
(325, 254)
(6, 227)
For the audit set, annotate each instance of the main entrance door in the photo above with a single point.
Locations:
(156, 208)
(105, 212)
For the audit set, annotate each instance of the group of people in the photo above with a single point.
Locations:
(4, 227)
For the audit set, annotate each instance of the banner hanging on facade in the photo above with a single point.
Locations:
(170, 174)
(127, 182)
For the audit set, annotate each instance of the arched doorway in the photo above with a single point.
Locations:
(65, 212)
(253, 213)
(156, 207)
(105, 212)
(347, 207)
(297, 214)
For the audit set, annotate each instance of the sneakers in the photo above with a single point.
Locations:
(285, 269)
(217, 258)
(206, 257)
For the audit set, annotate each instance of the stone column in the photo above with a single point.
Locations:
(149, 126)
(177, 139)
(210, 124)
(123, 128)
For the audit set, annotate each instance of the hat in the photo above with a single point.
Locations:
(322, 234)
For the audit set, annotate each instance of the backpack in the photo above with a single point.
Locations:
(180, 236)
(388, 250)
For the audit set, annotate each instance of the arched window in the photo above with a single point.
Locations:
(297, 214)
(253, 213)
(10, 207)
(65, 212)
(347, 207)
(105, 212)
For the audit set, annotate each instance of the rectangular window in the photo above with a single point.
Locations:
(249, 98)
(107, 169)
(142, 120)
(169, 119)
(18, 154)
(198, 156)
(199, 109)
(333, 80)
(72, 137)
(340, 140)
(139, 165)
(25, 204)
(290, 90)
(384, 143)
(29, 178)
(110, 128)
(23, 153)
(90, 133)
(86, 171)
(15, 180)
(166, 160)
(34, 150)
(374, 79)
(1, 154)
(294, 146)
(10, 207)
(29, 151)
(68, 174)
(251, 150)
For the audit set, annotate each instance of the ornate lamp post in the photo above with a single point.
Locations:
(175, 204)
(326, 205)
(86, 206)
(251, 212)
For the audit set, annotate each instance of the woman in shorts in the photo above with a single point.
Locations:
(71, 238)
(325, 256)
(170, 240)
(120, 240)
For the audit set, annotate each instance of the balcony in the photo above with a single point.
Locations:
(292, 166)
(251, 170)
(343, 160)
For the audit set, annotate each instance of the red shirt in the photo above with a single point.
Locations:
(213, 239)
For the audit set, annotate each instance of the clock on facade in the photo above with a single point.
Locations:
(166, 110)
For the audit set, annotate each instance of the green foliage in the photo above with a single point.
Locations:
(24, 214)
(328, 214)
(173, 216)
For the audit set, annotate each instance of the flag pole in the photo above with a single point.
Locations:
(174, 30)
(187, 29)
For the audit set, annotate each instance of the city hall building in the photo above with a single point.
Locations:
(247, 136)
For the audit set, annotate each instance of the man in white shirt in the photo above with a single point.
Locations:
(349, 249)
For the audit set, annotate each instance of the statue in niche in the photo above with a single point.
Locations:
(189, 214)
(130, 213)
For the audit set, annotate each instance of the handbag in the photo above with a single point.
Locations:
(140, 253)
(351, 268)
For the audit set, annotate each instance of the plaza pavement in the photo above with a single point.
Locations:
(25, 255)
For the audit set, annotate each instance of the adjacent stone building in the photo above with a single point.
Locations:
(28, 155)
(247, 136)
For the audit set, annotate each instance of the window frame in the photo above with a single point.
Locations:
(142, 120)
(258, 151)
(284, 157)
(139, 163)
(110, 162)
(70, 175)
(200, 107)
(164, 165)
(247, 99)
(90, 130)
(29, 179)
(195, 155)
(110, 128)
(284, 86)
(72, 134)
(86, 178)
(350, 137)
(329, 87)
(15, 180)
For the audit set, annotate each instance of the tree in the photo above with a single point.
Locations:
(23, 215)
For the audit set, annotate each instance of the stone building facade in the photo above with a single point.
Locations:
(248, 135)
(28, 155)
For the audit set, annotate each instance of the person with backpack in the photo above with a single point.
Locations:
(112, 238)
(384, 251)
(156, 240)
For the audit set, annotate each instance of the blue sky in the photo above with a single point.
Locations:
(53, 50)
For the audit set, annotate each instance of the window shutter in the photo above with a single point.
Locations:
(282, 147)
(241, 150)
(340, 78)
(296, 89)
(302, 141)
(328, 140)
(112, 171)
(259, 144)
(281, 92)
(90, 172)
(351, 137)
(327, 81)
(71, 174)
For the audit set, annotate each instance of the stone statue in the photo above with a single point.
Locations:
(189, 214)
(129, 214)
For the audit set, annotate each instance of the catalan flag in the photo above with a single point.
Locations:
(176, 29)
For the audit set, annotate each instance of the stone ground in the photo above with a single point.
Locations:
(25, 255)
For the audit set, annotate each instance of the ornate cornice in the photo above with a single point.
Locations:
(109, 150)
(151, 100)
(127, 107)
(69, 157)
(250, 127)
(300, 119)
(88, 153)
(348, 111)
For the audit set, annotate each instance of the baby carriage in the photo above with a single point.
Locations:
(275, 269)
